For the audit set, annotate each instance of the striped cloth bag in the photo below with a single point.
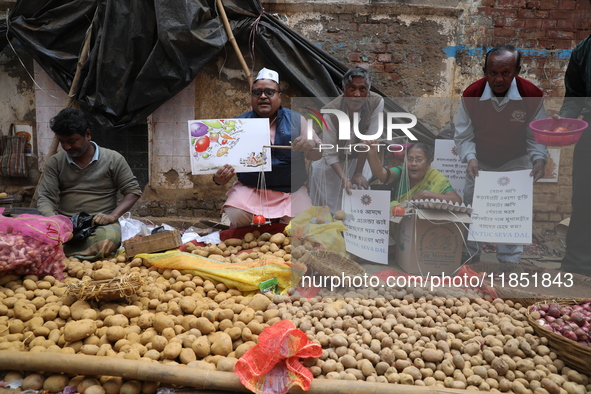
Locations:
(13, 161)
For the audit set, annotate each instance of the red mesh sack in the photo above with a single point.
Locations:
(273, 365)
(32, 245)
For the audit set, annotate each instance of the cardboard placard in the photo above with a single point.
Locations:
(430, 241)
(368, 213)
(503, 207)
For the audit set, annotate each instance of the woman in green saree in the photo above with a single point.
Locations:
(418, 181)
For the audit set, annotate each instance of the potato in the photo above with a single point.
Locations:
(131, 311)
(162, 321)
(24, 310)
(574, 388)
(49, 311)
(201, 347)
(103, 274)
(13, 375)
(90, 350)
(86, 383)
(55, 383)
(187, 355)
(550, 386)
(117, 320)
(233, 242)
(259, 302)
(226, 364)
(204, 325)
(158, 342)
(172, 350)
(77, 330)
(131, 387)
(33, 382)
(432, 355)
(115, 333)
(222, 345)
(277, 239)
(77, 308)
(243, 348)
(150, 387)
(16, 326)
(96, 389)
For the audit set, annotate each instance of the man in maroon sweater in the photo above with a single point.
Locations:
(492, 129)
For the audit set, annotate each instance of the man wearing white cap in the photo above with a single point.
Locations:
(285, 195)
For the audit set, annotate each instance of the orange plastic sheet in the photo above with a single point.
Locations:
(273, 365)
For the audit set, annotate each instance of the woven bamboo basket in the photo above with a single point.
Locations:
(574, 355)
(331, 264)
(528, 296)
(108, 289)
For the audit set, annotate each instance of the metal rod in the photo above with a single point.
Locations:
(277, 146)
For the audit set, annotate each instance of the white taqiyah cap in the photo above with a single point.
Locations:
(265, 73)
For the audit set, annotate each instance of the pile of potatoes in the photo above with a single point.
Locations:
(462, 343)
(55, 383)
(253, 246)
(176, 319)
(449, 338)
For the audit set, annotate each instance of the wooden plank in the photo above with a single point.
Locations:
(152, 243)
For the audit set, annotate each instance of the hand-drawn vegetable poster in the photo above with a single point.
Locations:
(238, 142)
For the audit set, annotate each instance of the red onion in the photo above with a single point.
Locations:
(542, 313)
(570, 335)
(565, 311)
(581, 335)
(550, 319)
(554, 312)
(578, 318)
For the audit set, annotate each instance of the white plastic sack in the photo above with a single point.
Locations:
(131, 227)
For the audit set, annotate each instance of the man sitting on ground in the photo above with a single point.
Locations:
(86, 178)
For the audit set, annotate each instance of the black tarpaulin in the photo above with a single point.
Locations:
(142, 53)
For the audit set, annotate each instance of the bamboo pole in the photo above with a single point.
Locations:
(185, 376)
(232, 40)
(71, 94)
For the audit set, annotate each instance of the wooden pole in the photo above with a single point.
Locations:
(71, 94)
(233, 40)
(185, 376)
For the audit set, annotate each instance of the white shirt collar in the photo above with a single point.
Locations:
(95, 157)
(512, 93)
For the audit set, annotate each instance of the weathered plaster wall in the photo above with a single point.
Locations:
(17, 105)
